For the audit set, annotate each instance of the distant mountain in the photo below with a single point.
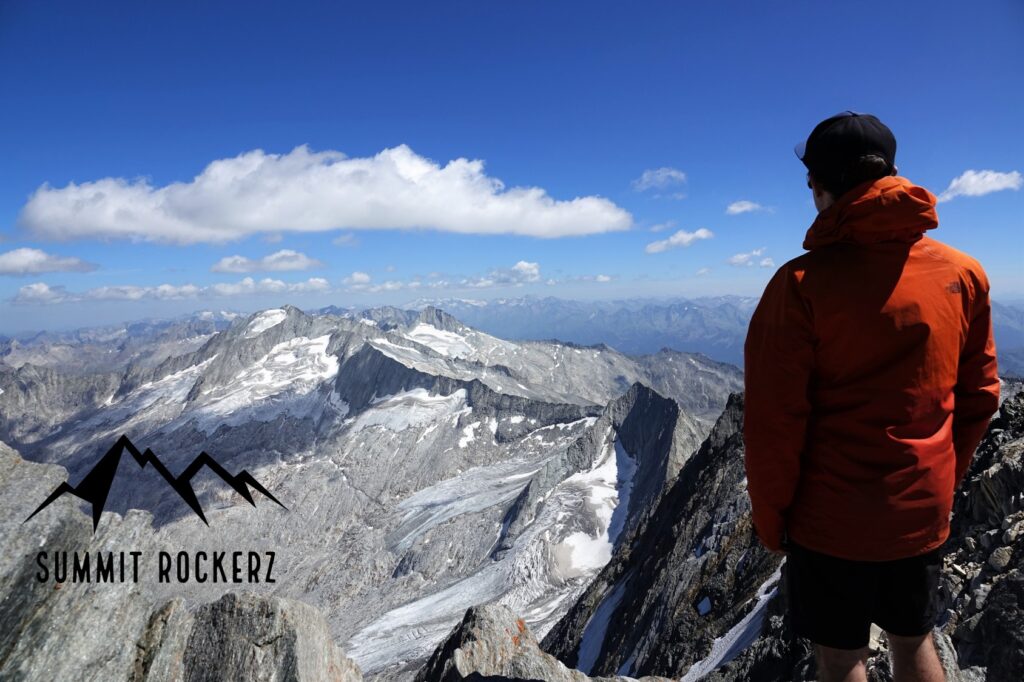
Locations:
(713, 326)
(1008, 325)
(113, 347)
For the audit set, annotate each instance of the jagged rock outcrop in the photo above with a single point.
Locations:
(244, 637)
(492, 644)
(239, 637)
(983, 581)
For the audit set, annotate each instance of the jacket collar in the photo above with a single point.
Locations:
(883, 210)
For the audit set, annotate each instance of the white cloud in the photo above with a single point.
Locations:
(313, 284)
(659, 178)
(136, 293)
(600, 279)
(744, 206)
(523, 272)
(283, 260)
(520, 274)
(703, 271)
(27, 261)
(767, 263)
(345, 239)
(972, 183)
(390, 285)
(41, 292)
(306, 191)
(741, 259)
(680, 238)
(661, 227)
(357, 279)
(527, 272)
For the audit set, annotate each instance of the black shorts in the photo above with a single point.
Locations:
(833, 601)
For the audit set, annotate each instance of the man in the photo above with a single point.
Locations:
(870, 380)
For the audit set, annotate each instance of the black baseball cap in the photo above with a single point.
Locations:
(839, 141)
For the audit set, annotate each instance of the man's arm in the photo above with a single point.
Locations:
(977, 384)
(778, 359)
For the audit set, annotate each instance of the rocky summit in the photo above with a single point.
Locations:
(394, 495)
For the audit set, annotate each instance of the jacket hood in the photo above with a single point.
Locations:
(887, 209)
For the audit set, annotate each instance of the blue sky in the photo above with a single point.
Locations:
(383, 152)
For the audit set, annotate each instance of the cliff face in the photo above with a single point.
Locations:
(693, 573)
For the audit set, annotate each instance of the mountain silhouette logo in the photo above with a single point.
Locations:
(95, 485)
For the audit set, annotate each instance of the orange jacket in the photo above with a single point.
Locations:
(870, 380)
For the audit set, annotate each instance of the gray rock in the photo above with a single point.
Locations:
(250, 638)
(1000, 558)
(492, 644)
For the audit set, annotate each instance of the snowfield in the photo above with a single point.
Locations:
(264, 321)
(443, 342)
(410, 409)
(291, 369)
(534, 578)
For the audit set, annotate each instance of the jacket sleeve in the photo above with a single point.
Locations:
(976, 394)
(778, 361)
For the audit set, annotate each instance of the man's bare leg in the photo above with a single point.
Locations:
(841, 665)
(914, 659)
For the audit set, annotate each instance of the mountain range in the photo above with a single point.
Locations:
(712, 326)
(460, 506)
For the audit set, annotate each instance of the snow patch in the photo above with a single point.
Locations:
(610, 483)
(468, 434)
(443, 342)
(411, 408)
(264, 321)
(269, 386)
(597, 628)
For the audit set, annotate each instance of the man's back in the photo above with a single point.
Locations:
(854, 360)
